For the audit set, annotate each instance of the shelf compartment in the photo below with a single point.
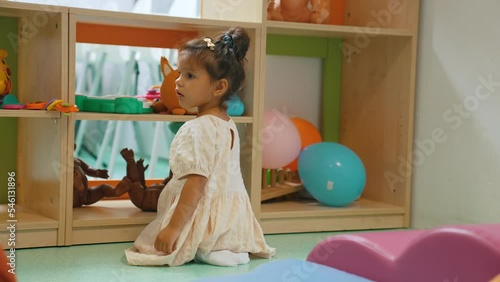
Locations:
(311, 216)
(148, 117)
(320, 30)
(29, 114)
(108, 221)
(32, 229)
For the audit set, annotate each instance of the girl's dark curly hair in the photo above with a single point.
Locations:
(225, 59)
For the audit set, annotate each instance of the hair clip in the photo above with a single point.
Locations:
(209, 42)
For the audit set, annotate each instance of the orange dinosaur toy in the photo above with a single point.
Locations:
(169, 102)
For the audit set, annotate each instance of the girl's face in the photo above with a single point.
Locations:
(194, 86)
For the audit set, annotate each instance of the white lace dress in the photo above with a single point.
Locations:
(224, 219)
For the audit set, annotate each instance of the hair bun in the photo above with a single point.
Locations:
(240, 40)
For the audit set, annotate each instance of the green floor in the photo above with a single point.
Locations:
(106, 262)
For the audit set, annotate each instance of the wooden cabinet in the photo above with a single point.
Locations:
(368, 100)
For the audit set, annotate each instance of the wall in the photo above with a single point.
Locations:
(457, 173)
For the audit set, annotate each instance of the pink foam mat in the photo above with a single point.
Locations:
(452, 253)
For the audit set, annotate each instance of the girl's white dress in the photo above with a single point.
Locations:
(224, 219)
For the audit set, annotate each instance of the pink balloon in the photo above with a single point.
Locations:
(280, 139)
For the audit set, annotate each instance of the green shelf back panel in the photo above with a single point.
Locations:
(329, 50)
(8, 126)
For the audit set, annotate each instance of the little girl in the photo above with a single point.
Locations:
(204, 212)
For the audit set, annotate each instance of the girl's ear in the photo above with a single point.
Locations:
(221, 87)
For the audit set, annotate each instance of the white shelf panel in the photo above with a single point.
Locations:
(321, 30)
(30, 113)
(146, 117)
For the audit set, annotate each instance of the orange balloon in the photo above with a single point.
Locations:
(309, 135)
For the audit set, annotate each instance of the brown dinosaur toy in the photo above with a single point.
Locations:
(142, 196)
(83, 195)
(169, 102)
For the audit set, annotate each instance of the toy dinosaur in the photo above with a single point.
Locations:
(83, 195)
(169, 102)
(5, 81)
(304, 11)
(142, 196)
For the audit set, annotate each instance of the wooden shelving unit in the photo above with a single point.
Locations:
(41, 49)
(372, 114)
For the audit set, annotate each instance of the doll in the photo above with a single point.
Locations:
(83, 195)
(142, 196)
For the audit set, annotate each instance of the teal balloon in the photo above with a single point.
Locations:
(332, 173)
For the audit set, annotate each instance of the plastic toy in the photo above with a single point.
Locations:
(332, 173)
(60, 106)
(10, 102)
(280, 141)
(304, 11)
(448, 253)
(235, 106)
(84, 195)
(142, 196)
(36, 106)
(169, 102)
(5, 81)
(114, 104)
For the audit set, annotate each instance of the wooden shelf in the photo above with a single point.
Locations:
(153, 21)
(30, 113)
(31, 229)
(26, 219)
(108, 221)
(146, 117)
(321, 30)
(14, 9)
(109, 213)
(311, 216)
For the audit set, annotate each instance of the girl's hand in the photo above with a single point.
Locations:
(166, 239)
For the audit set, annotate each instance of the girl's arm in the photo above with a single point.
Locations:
(188, 201)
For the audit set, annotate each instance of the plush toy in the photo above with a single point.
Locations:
(142, 196)
(5, 82)
(304, 11)
(83, 195)
(169, 102)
